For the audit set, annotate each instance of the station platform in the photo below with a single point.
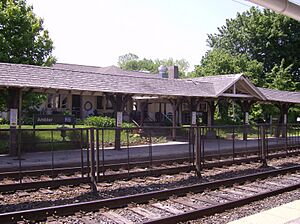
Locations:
(168, 150)
(285, 214)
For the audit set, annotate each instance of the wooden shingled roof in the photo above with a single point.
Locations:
(281, 96)
(37, 77)
(115, 80)
(114, 70)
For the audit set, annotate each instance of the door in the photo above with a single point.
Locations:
(76, 105)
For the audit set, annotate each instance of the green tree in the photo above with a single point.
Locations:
(23, 40)
(219, 61)
(280, 78)
(264, 36)
(123, 59)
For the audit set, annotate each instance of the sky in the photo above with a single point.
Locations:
(97, 32)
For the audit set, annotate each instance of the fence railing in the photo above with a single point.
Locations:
(92, 149)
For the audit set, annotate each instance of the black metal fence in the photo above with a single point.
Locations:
(91, 150)
(240, 142)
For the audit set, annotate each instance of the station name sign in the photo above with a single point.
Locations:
(53, 119)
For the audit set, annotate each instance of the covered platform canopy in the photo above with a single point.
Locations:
(89, 80)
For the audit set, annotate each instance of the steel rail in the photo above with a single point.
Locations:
(55, 183)
(72, 170)
(117, 202)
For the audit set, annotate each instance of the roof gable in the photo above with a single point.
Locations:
(224, 83)
(220, 82)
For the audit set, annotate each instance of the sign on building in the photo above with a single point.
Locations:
(53, 119)
(119, 119)
(13, 118)
(194, 118)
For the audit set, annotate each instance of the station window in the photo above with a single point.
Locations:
(109, 104)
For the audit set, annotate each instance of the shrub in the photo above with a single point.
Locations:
(3, 121)
(104, 122)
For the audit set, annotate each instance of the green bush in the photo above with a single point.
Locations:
(104, 122)
(3, 121)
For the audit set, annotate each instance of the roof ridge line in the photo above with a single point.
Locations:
(85, 72)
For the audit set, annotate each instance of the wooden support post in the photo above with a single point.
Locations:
(119, 102)
(283, 120)
(129, 109)
(245, 106)
(143, 106)
(180, 114)
(285, 110)
(175, 103)
(174, 113)
(69, 103)
(118, 110)
(210, 132)
(211, 113)
(20, 109)
(193, 110)
(196, 135)
(13, 105)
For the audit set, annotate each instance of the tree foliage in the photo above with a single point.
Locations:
(219, 61)
(264, 36)
(23, 40)
(280, 78)
(22, 36)
(134, 63)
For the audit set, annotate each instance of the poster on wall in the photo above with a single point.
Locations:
(13, 117)
(247, 118)
(194, 118)
(119, 119)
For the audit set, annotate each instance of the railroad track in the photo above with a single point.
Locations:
(36, 179)
(173, 205)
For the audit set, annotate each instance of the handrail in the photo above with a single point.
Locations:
(149, 118)
(133, 121)
(167, 117)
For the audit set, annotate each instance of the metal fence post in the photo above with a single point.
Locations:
(198, 151)
(81, 153)
(97, 154)
(190, 145)
(263, 146)
(150, 150)
(92, 161)
(285, 134)
(128, 155)
(19, 154)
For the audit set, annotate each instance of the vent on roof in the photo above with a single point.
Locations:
(173, 72)
(163, 71)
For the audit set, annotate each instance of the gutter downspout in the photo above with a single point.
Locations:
(280, 6)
